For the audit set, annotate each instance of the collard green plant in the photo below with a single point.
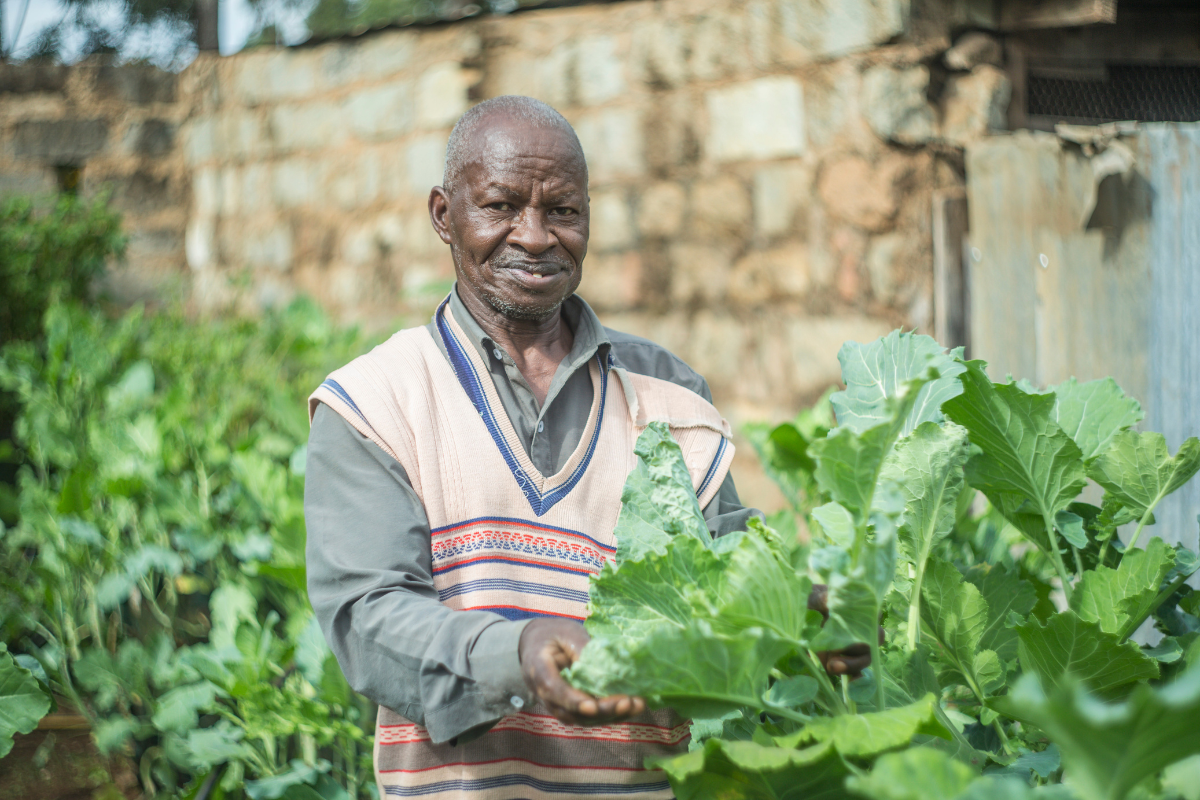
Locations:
(1008, 668)
(155, 578)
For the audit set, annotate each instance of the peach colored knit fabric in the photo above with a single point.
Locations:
(507, 539)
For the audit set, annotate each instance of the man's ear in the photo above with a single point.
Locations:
(439, 212)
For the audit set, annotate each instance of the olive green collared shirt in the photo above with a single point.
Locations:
(370, 574)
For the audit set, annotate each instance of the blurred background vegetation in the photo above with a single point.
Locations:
(152, 534)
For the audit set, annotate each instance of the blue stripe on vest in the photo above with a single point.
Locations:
(465, 371)
(712, 468)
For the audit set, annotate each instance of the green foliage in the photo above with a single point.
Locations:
(981, 670)
(51, 255)
(22, 701)
(156, 574)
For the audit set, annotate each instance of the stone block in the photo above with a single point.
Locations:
(599, 72)
(199, 138)
(972, 49)
(612, 143)
(779, 190)
(136, 83)
(240, 135)
(671, 139)
(660, 209)
(441, 95)
(883, 265)
(611, 221)
(420, 239)
(756, 120)
(145, 244)
(206, 192)
(230, 186)
(280, 74)
(612, 281)
(716, 348)
(975, 104)
(552, 76)
(659, 54)
(35, 181)
(425, 159)
(895, 106)
(854, 191)
(255, 182)
(269, 247)
(380, 55)
(700, 272)
(831, 104)
(150, 137)
(763, 276)
(294, 183)
(382, 112)
(720, 207)
(30, 77)
(308, 126)
(716, 47)
(59, 140)
(821, 30)
(143, 193)
(811, 347)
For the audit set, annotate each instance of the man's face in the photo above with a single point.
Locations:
(517, 220)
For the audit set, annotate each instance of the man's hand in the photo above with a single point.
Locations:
(548, 646)
(850, 660)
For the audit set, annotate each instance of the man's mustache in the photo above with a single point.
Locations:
(544, 265)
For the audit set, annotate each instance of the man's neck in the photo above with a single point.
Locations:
(537, 347)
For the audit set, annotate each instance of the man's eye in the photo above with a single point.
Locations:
(563, 211)
(501, 206)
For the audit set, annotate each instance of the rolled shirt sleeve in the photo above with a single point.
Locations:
(370, 582)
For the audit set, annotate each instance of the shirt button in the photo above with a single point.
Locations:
(541, 425)
(517, 702)
(499, 356)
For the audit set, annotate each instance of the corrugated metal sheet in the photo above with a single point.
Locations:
(1169, 156)
(1076, 271)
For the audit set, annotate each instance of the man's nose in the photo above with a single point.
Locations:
(531, 233)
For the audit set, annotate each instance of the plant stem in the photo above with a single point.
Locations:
(1137, 534)
(818, 672)
(1056, 557)
(1128, 629)
(914, 610)
(1078, 560)
(877, 665)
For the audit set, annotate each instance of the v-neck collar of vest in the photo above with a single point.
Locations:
(543, 493)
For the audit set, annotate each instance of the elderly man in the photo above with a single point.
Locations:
(464, 480)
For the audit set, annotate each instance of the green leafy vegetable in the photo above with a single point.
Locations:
(1139, 471)
(1026, 457)
(879, 371)
(22, 701)
(1109, 749)
(1093, 413)
(1067, 647)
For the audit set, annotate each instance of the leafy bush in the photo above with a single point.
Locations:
(155, 581)
(51, 256)
(1007, 664)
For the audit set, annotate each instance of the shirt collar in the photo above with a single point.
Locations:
(590, 336)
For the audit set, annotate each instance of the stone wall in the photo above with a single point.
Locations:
(119, 127)
(761, 171)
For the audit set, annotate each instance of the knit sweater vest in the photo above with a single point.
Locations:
(507, 539)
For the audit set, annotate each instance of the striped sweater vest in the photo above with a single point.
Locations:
(507, 539)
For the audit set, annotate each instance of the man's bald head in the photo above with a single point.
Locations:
(464, 143)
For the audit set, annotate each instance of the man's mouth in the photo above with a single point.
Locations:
(542, 270)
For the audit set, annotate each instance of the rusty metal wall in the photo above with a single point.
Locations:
(1083, 259)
